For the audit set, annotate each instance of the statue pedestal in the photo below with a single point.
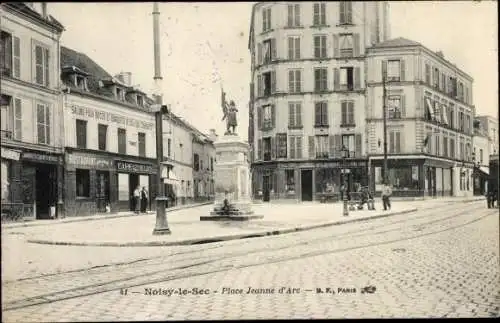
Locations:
(232, 181)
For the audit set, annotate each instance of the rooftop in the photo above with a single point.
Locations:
(25, 9)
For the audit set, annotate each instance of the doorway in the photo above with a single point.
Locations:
(133, 182)
(45, 186)
(102, 190)
(266, 187)
(306, 180)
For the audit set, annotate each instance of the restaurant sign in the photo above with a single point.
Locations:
(89, 161)
(129, 167)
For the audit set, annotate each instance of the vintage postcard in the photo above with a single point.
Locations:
(249, 160)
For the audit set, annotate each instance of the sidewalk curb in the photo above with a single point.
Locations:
(92, 217)
(217, 238)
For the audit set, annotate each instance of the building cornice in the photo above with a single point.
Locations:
(30, 85)
(10, 8)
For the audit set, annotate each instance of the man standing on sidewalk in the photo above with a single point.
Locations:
(137, 199)
(386, 193)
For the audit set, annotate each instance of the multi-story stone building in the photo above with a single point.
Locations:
(110, 137)
(31, 133)
(490, 125)
(430, 115)
(307, 94)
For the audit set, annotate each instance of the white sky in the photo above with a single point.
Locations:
(204, 45)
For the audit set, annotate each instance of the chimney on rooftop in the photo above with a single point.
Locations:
(125, 78)
(44, 9)
(440, 54)
(213, 135)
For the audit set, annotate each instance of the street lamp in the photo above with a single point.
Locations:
(345, 155)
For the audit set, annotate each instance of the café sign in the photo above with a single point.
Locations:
(110, 117)
(123, 166)
(40, 157)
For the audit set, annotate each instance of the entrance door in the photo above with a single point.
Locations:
(102, 190)
(306, 184)
(133, 182)
(266, 186)
(45, 186)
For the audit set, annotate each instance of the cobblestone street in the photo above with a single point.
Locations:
(433, 263)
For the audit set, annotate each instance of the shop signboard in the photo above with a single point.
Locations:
(132, 167)
(89, 161)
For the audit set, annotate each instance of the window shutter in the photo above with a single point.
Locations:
(297, 14)
(356, 44)
(317, 113)
(273, 148)
(359, 146)
(46, 67)
(297, 47)
(298, 114)
(316, 14)
(283, 146)
(273, 116)
(18, 114)
(298, 141)
(259, 149)
(403, 69)
(384, 69)
(348, 12)
(291, 115)
(323, 47)
(403, 106)
(343, 112)
(323, 14)
(273, 81)
(291, 81)
(338, 145)
(259, 85)
(331, 140)
(290, 47)
(350, 112)
(336, 49)
(357, 78)
(292, 147)
(274, 54)
(16, 57)
(259, 54)
(290, 15)
(336, 79)
(259, 118)
(324, 112)
(391, 142)
(342, 12)
(311, 147)
(398, 142)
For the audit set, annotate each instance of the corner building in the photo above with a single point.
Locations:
(307, 94)
(429, 121)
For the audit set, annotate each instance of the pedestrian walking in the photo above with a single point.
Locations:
(144, 199)
(490, 198)
(386, 194)
(137, 199)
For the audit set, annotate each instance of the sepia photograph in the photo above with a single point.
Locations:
(179, 161)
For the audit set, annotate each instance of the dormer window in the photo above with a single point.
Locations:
(120, 94)
(140, 100)
(81, 82)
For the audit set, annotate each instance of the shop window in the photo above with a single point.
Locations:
(290, 181)
(404, 178)
(82, 183)
(123, 187)
(5, 180)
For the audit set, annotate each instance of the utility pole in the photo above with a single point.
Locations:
(384, 111)
(161, 226)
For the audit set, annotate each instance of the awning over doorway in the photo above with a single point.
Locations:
(481, 171)
(430, 108)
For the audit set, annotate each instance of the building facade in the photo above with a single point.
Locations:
(481, 158)
(203, 166)
(307, 94)
(490, 125)
(31, 120)
(110, 146)
(430, 115)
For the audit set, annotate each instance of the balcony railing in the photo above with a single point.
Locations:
(6, 134)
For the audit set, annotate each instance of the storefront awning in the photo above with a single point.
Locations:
(10, 154)
(481, 171)
(485, 170)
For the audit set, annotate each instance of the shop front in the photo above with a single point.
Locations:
(132, 175)
(102, 182)
(306, 181)
(39, 183)
(413, 176)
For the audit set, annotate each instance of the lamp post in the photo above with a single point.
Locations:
(161, 226)
(345, 155)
